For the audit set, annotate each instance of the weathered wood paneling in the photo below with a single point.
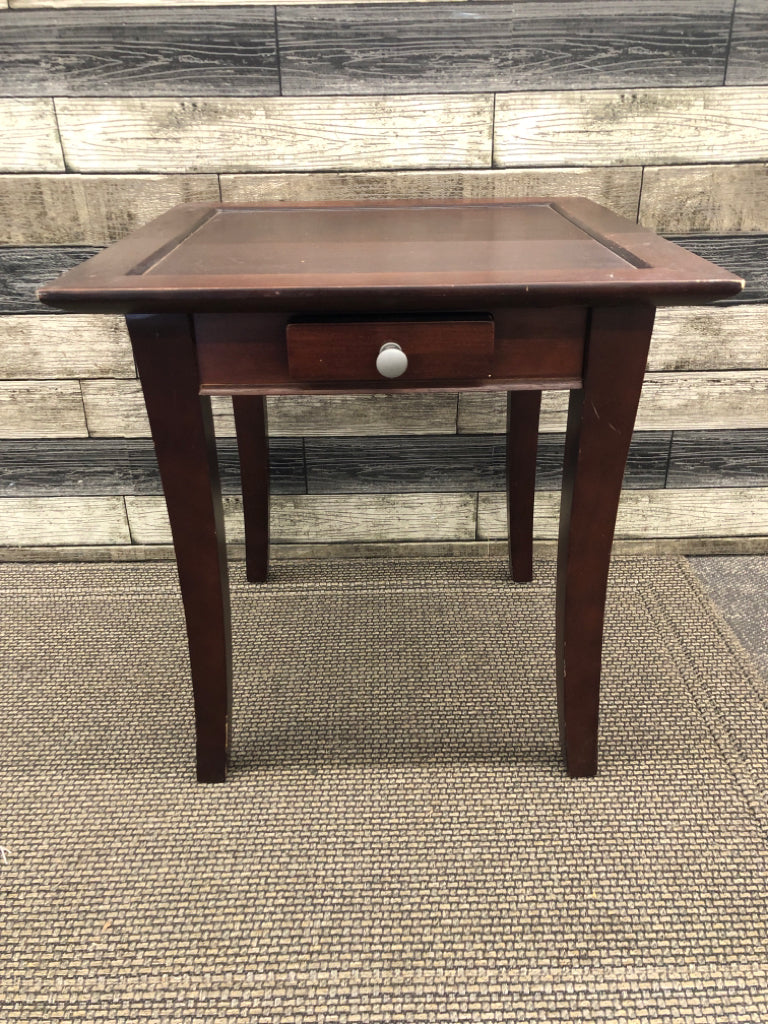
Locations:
(112, 466)
(116, 409)
(62, 468)
(30, 4)
(80, 520)
(710, 338)
(370, 517)
(711, 198)
(670, 401)
(615, 187)
(23, 269)
(41, 408)
(724, 512)
(461, 463)
(91, 209)
(79, 345)
(29, 140)
(719, 458)
(550, 45)
(748, 57)
(228, 52)
(648, 126)
(746, 255)
(269, 135)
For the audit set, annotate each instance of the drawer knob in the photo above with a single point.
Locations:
(391, 360)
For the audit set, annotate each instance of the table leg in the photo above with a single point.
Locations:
(601, 417)
(253, 445)
(182, 430)
(523, 409)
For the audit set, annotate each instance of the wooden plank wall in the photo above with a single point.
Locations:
(112, 112)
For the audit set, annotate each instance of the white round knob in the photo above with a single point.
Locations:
(391, 360)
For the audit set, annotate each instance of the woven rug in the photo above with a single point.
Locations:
(397, 840)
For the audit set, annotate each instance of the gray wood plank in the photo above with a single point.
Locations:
(615, 187)
(125, 466)
(719, 400)
(286, 466)
(79, 520)
(748, 56)
(719, 458)
(637, 126)
(312, 133)
(78, 345)
(712, 198)
(161, 52)
(499, 46)
(41, 408)
(462, 463)
(91, 209)
(694, 512)
(29, 137)
(24, 269)
(742, 254)
(64, 467)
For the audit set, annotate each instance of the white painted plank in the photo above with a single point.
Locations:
(723, 198)
(359, 415)
(706, 512)
(710, 338)
(116, 409)
(29, 139)
(44, 521)
(276, 134)
(91, 209)
(615, 187)
(41, 408)
(77, 345)
(631, 126)
(728, 400)
(309, 518)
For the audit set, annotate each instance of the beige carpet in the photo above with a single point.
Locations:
(397, 840)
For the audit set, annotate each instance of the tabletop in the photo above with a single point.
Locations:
(455, 254)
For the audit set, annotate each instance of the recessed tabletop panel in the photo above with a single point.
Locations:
(392, 240)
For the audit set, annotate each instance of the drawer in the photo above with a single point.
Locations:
(356, 348)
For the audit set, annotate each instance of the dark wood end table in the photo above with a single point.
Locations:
(514, 295)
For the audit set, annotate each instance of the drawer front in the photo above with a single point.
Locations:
(432, 349)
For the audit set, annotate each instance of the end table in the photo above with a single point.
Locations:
(513, 295)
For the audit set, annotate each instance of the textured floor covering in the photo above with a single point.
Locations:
(397, 840)
(739, 586)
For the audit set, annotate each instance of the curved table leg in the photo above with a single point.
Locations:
(523, 409)
(182, 430)
(601, 417)
(253, 446)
